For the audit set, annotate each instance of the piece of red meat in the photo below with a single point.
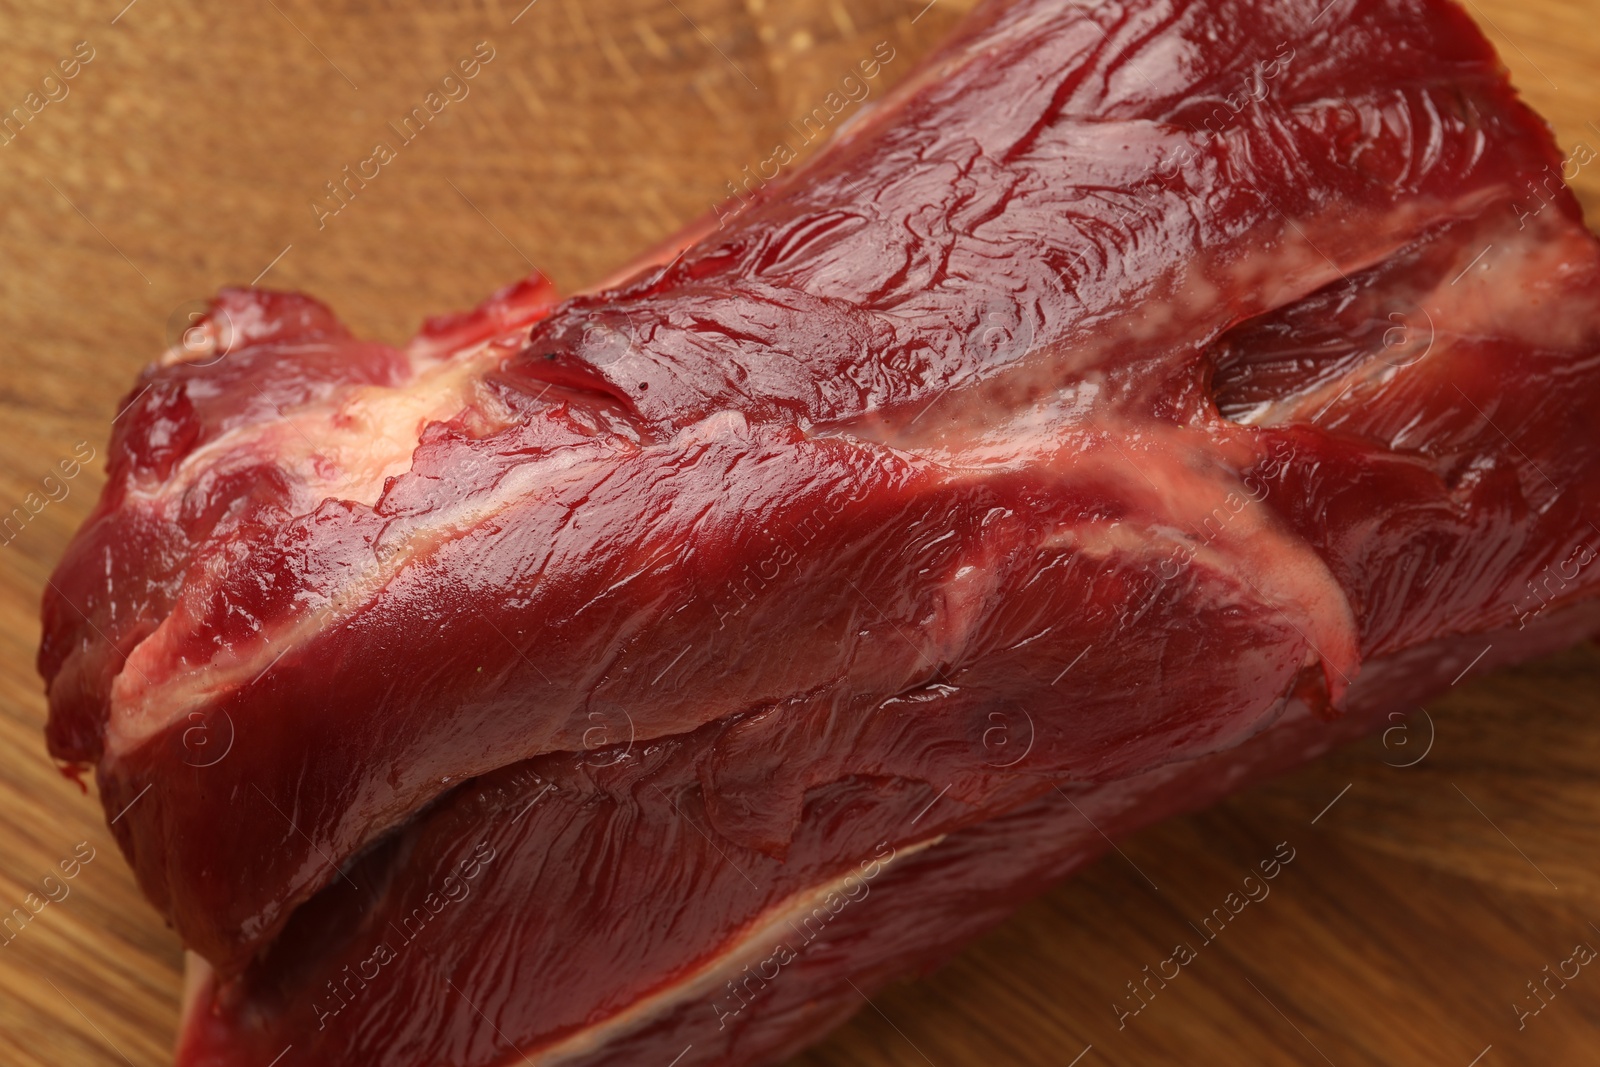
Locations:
(1138, 401)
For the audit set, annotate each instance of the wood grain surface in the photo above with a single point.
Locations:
(186, 155)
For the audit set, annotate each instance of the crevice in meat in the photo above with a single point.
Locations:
(1048, 437)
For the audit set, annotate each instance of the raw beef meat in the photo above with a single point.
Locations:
(1140, 400)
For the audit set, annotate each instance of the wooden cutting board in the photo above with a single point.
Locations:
(187, 152)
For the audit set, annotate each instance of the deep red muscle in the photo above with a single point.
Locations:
(1137, 401)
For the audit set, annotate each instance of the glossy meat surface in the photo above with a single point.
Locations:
(1139, 400)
